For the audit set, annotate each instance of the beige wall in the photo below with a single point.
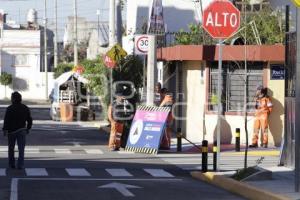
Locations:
(194, 88)
(277, 92)
(194, 97)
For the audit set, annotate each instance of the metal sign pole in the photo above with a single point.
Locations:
(219, 104)
(297, 112)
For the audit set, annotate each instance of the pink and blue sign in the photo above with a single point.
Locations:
(147, 129)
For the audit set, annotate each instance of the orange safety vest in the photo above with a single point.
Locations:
(263, 106)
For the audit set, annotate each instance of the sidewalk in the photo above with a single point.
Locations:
(282, 182)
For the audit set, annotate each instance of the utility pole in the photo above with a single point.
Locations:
(98, 25)
(119, 21)
(75, 35)
(151, 66)
(112, 23)
(112, 38)
(297, 112)
(45, 49)
(55, 37)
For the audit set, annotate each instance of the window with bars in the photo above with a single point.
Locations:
(233, 85)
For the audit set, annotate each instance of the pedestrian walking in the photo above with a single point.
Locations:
(263, 106)
(17, 123)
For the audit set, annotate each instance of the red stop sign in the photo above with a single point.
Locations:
(221, 19)
(109, 62)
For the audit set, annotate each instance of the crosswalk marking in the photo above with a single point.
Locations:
(77, 172)
(62, 151)
(2, 172)
(158, 173)
(118, 172)
(32, 150)
(36, 172)
(83, 172)
(93, 151)
(3, 149)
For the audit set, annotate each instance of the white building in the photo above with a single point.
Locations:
(98, 41)
(21, 55)
(84, 29)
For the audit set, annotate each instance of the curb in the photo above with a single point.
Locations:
(237, 187)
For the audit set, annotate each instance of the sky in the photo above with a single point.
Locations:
(17, 10)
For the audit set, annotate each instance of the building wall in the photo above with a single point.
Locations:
(27, 78)
(194, 100)
(277, 93)
(195, 89)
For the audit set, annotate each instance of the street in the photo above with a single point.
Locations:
(71, 161)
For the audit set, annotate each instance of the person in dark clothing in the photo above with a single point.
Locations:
(17, 123)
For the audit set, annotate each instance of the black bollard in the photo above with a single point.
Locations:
(237, 139)
(204, 155)
(215, 150)
(179, 140)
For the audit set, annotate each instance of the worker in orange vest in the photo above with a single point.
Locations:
(167, 101)
(263, 106)
(117, 118)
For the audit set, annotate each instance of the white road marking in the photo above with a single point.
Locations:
(15, 182)
(77, 172)
(36, 172)
(62, 151)
(158, 173)
(118, 172)
(14, 189)
(93, 151)
(3, 149)
(122, 188)
(32, 150)
(125, 152)
(2, 172)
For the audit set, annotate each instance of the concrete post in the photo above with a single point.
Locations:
(151, 66)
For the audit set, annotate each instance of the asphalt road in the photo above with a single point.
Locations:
(69, 161)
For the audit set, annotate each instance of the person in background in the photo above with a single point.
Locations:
(157, 94)
(17, 123)
(167, 101)
(263, 106)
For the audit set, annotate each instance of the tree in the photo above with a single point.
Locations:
(128, 69)
(68, 52)
(97, 74)
(267, 21)
(195, 36)
(62, 68)
(5, 79)
(269, 26)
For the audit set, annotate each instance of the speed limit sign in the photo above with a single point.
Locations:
(141, 44)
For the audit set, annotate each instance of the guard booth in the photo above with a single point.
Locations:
(70, 99)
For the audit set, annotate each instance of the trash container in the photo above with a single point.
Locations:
(66, 112)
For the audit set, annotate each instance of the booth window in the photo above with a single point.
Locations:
(233, 85)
